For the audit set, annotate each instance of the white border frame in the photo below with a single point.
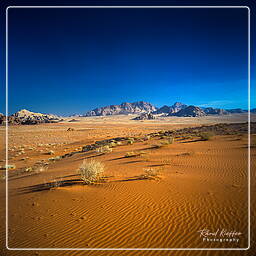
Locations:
(134, 249)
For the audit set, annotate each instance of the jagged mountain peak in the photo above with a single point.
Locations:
(137, 107)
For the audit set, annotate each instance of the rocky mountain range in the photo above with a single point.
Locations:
(176, 107)
(145, 111)
(124, 108)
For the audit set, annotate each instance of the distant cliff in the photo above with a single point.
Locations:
(124, 108)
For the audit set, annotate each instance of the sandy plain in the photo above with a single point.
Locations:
(202, 184)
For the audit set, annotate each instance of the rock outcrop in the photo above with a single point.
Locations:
(27, 117)
(2, 118)
(124, 108)
(145, 116)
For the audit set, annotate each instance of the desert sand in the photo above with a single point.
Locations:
(201, 184)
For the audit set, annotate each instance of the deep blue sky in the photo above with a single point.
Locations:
(67, 61)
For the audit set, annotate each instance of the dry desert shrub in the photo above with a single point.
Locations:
(91, 171)
(187, 137)
(130, 154)
(147, 137)
(2, 177)
(104, 149)
(56, 183)
(206, 135)
(112, 144)
(56, 158)
(29, 169)
(8, 167)
(37, 169)
(40, 169)
(156, 146)
(151, 173)
(168, 141)
(134, 154)
(130, 142)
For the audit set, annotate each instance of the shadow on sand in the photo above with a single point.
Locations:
(71, 182)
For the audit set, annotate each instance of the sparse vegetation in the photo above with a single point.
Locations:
(55, 158)
(147, 137)
(168, 141)
(2, 177)
(51, 152)
(156, 146)
(134, 154)
(28, 169)
(91, 171)
(206, 136)
(8, 167)
(104, 149)
(187, 137)
(151, 173)
(112, 144)
(130, 141)
(55, 183)
(130, 154)
(40, 169)
(36, 169)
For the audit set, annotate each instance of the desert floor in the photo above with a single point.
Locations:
(201, 184)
